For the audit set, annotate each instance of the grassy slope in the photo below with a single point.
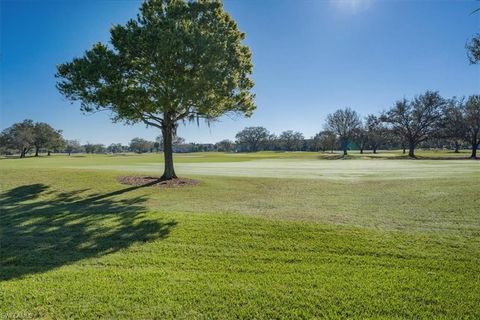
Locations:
(76, 243)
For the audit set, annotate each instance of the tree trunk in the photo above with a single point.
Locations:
(344, 152)
(403, 147)
(474, 151)
(69, 153)
(36, 151)
(361, 150)
(48, 152)
(374, 150)
(457, 147)
(411, 150)
(167, 132)
(22, 154)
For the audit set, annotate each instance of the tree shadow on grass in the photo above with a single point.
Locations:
(42, 229)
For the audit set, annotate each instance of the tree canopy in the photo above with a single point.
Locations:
(20, 136)
(473, 50)
(343, 123)
(417, 120)
(72, 146)
(225, 145)
(253, 138)
(46, 137)
(324, 140)
(179, 60)
(291, 140)
(473, 47)
(376, 131)
(453, 124)
(140, 145)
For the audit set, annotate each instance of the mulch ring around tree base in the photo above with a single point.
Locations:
(156, 182)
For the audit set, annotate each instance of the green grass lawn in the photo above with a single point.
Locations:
(265, 235)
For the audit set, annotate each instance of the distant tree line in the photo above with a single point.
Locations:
(426, 121)
(28, 137)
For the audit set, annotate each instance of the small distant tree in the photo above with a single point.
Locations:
(72, 146)
(55, 142)
(361, 138)
(416, 121)
(6, 146)
(472, 120)
(178, 61)
(89, 148)
(178, 140)
(20, 137)
(47, 138)
(325, 140)
(291, 141)
(94, 148)
(343, 123)
(271, 143)
(454, 127)
(115, 148)
(376, 132)
(253, 138)
(140, 145)
(225, 146)
(43, 133)
(99, 148)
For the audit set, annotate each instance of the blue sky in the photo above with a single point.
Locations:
(310, 58)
